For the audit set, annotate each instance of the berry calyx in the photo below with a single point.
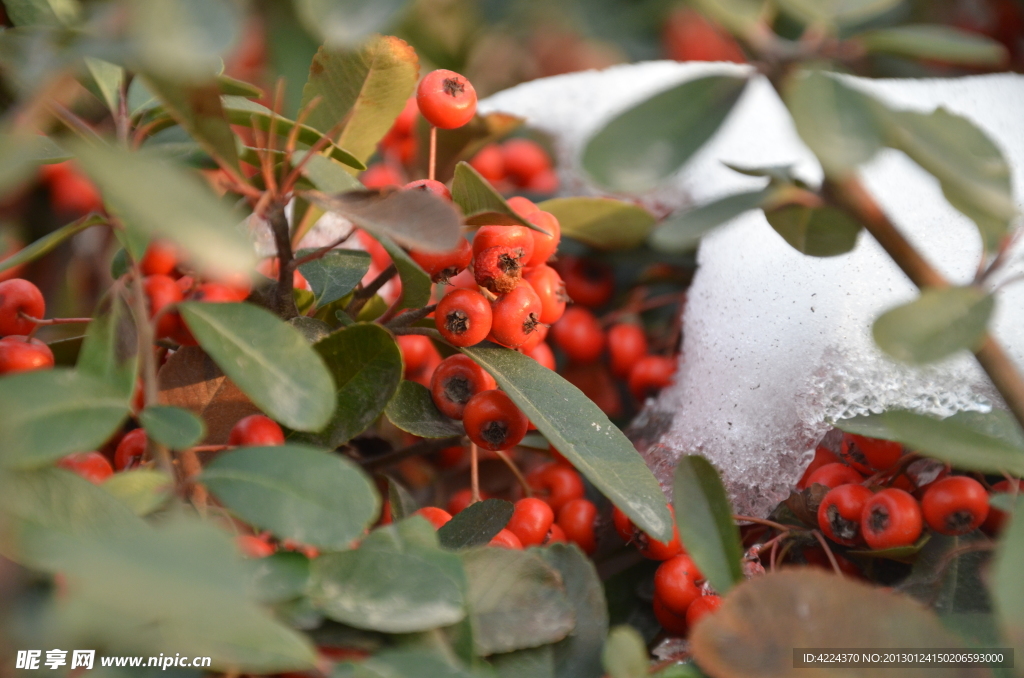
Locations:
(92, 466)
(955, 505)
(19, 353)
(17, 297)
(891, 518)
(516, 316)
(430, 186)
(648, 546)
(840, 511)
(131, 450)
(531, 521)
(446, 99)
(442, 266)
(455, 381)
(463, 317)
(579, 335)
(493, 421)
(256, 430)
(499, 269)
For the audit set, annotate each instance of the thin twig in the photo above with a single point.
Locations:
(422, 447)
(54, 321)
(284, 299)
(74, 122)
(315, 149)
(762, 521)
(433, 153)
(364, 294)
(828, 552)
(300, 120)
(322, 252)
(527, 490)
(474, 472)
(411, 315)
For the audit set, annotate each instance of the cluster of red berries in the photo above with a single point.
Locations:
(516, 164)
(21, 303)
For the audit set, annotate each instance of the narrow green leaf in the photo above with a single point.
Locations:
(935, 42)
(296, 492)
(682, 232)
(366, 88)
(957, 442)
(345, 23)
(402, 503)
(367, 368)
(183, 40)
(625, 654)
(327, 174)
(575, 426)
(579, 654)
(198, 109)
(109, 350)
(174, 427)
(56, 13)
(935, 325)
(105, 80)
(397, 581)
(815, 231)
(645, 144)
(142, 490)
(1007, 584)
(480, 202)
(738, 16)
(416, 285)
(476, 525)
(158, 199)
(268, 359)
(902, 554)
(234, 87)
(49, 242)
(46, 415)
(601, 222)
(1004, 501)
(412, 409)
(836, 12)
(706, 527)
(335, 274)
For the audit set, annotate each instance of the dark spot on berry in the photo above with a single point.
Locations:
(841, 527)
(959, 522)
(530, 324)
(878, 521)
(457, 390)
(444, 276)
(453, 87)
(495, 433)
(457, 322)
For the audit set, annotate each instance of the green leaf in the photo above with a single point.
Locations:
(49, 242)
(174, 427)
(402, 503)
(682, 232)
(815, 231)
(957, 442)
(412, 662)
(946, 578)
(625, 654)
(706, 527)
(335, 274)
(397, 581)
(579, 654)
(346, 22)
(1004, 501)
(55, 13)
(833, 13)
(937, 324)
(142, 490)
(268, 359)
(183, 40)
(416, 285)
(296, 492)
(159, 199)
(21, 154)
(582, 433)
(480, 202)
(280, 576)
(650, 141)
(312, 329)
(836, 122)
(327, 174)
(476, 525)
(536, 662)
(516, 600)
(903, 554)
(1007, 584)
(46, 415)
(738, 16)
(367, 368)
(366, 88)
(601, 222)
(934, 42)
(105, 81)
(234, 87)
(110, 348)
(198, 109)
(412, 409)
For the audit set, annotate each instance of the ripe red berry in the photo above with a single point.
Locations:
(499, 269)
(822, 456)
(891, 518)
(489, 162)
(403, 125)
(576, 518)
(441, 266)
(524, 207)
(416, 351)
(19, 296)
(579, 335)
(840, 511)
(381, 175)
(463, 317)
(162, 291)
(955, 505)
(627, 345)
(524, 159)
(542, 353)
(446, 99)
(516, 316)
(535, 338)
(436, 516)
(92, 466)
(160, 258)
(252, 546)
(131, 450)
(517, 238)
(556, 483)
(18, 353)
(997, 517)
(701, 607)
(531, 521)
(256, 430)
(648, 547)
(431, 186)
(587, 281)
(865, 454)
(555, 534)
(506, 539)
(73, 193)
(455, 381)
(545, 182)
(690, 36)
(493, 421)
(544, 246)
(834, 475)
(550, 289)
(650, 374)
(215, 293)
(675, 583)
(449, 457)
(674, 623)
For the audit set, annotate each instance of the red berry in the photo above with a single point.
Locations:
(675, 583)
(516, 316)
(524, 207)
(506, 539)
(557, 483)
(73, 193)
(890, 519)
(92, 466)
(531, 521)
(648, 547)
(18, 353)
(160, 258)
(215, 293)
(499, 269)
(579, 335)
(542, 353)
(256, 430)
(534, 339)
(162, 291)
(463, 317)
(517, 238)
(416, 351)
(997, 517)
(489, 162)
(544, 246)
(674, 623)
(524, 159)
(19, 296)
(834, 475)
(576, 518)
(840, 511)
(381, 175)
(436, 516)
(550, 289)
(450, 457)
(441, 266)
(493, 421)
(822, 456)
(690, 36)
(701, 607)
(430, 186)
(865, 454)
(131, 450)
(423, 375)
(545, 182)
(252, 546)
(446, 99)
(627, 345)
(555, 534)
(587, 281)
(455, 381)
(650, 374)
(955, 505)
(403, 125)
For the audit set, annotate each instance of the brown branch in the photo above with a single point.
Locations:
(421, 447)
(54, 321)
(322, 252)
(762, 521)
(527, 490)
(364, 294)
(284, 299)
(410, 316)
(474, 472)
